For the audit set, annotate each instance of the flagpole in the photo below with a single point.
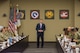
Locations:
(17, 8)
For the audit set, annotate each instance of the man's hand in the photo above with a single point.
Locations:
(40, 30)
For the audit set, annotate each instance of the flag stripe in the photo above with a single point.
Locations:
(11, 26)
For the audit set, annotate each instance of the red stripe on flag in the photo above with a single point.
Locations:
(14, 15)
(11, 26)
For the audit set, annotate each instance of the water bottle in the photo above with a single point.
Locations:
(10, 40)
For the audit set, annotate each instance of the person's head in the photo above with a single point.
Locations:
(6, 28)
(69, 29)
(73, 30)
(76, 29)
(41, 20)
(65, 31)
(3, 30)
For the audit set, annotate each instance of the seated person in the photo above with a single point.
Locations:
(3, 37)
(8, 33)
(75, 38)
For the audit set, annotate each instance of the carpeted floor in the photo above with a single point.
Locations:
(48, 48)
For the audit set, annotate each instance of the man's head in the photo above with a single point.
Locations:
(41, 20)
(69, 29)
(76, 29)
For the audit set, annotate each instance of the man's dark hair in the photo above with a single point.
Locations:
(73, 29)
(77, 29)
(65, 29)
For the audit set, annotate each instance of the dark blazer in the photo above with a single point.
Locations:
(38, 27)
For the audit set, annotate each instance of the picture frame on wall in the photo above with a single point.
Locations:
(21, 14)
(64, 14)
(49, 14)
(34, 14)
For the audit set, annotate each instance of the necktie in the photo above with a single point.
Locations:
(40, 25)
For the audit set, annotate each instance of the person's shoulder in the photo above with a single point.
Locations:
(37, 23)
(43, 24)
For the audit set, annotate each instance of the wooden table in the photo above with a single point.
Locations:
(17, 47)
(59, 47)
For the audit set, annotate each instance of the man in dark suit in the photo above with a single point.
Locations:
(40, 28)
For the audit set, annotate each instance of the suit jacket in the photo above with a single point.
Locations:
(38, 27)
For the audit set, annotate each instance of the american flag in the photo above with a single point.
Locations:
(12, 21)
